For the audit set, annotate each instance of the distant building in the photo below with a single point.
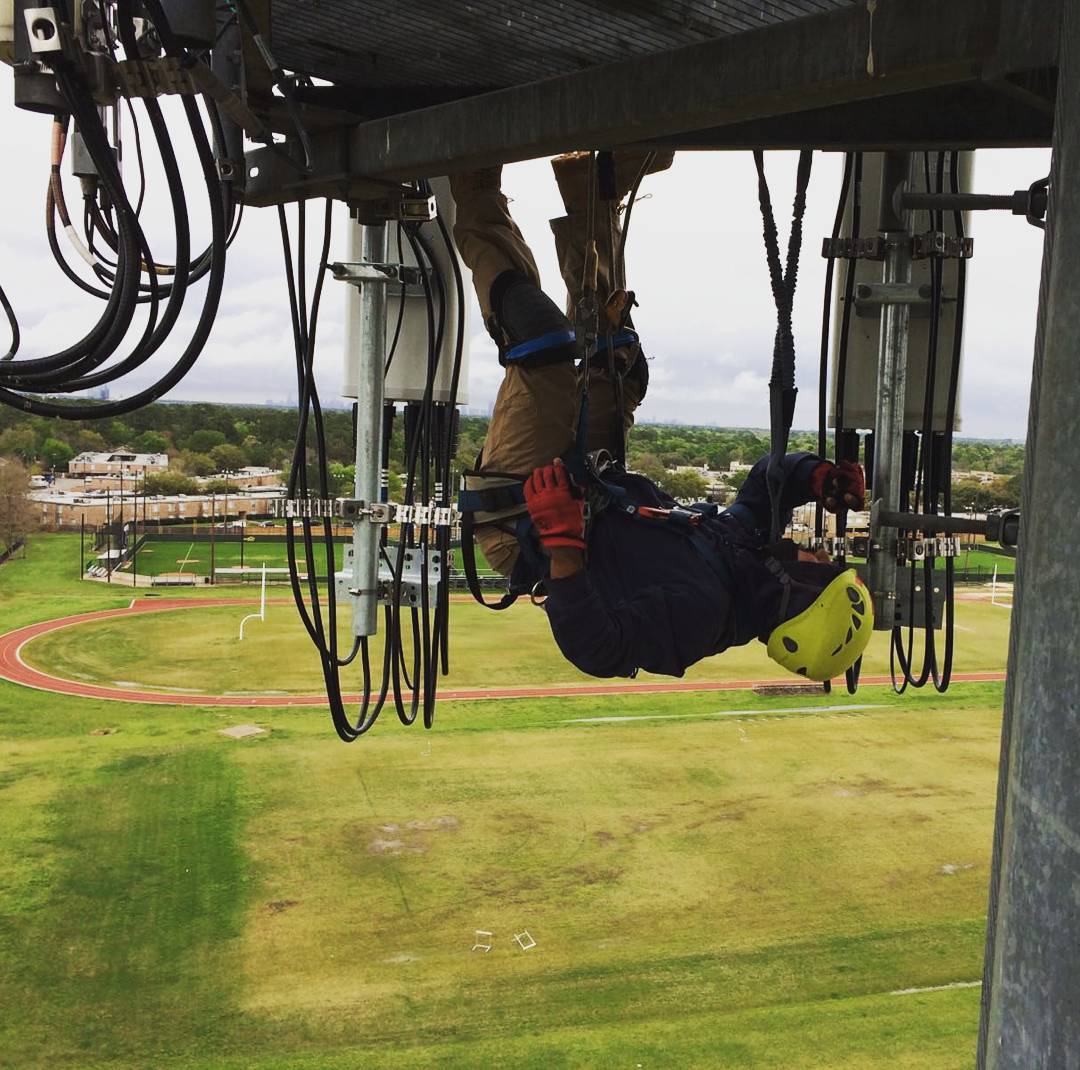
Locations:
(116, 462)
(984, 478)
(65, 509)
(251, 476)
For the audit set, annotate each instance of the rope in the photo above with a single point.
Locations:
(782, 392)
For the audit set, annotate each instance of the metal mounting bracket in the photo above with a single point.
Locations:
(412, 577)
(359, 274)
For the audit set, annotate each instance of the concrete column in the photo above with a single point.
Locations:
(1031, 992)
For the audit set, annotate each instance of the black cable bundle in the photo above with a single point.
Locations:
(850, 185)
(416, 638)
(933, 486)
(92, 361)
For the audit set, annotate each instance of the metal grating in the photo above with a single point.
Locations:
(436, 50)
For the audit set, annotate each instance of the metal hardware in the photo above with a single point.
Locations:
(417, 209)
(42, 29)
(870, 297)
(412, 575)
(907, 606)
(1003, 528)
(873, 248)
(303, 508)
(1038, 201)
(357, 274)
(1030, 203)
(373, 512)
(936, 243)
(892, 293)
(920, 549)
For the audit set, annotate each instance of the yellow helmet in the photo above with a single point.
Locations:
(829, 637)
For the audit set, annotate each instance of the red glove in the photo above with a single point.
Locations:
(839, 486)
(557, 506)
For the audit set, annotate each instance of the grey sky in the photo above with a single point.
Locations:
(695, 258)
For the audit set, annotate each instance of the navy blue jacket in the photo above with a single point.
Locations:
(657, 596)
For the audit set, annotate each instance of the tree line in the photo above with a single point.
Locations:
(204, 439)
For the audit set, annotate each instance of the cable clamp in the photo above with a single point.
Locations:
(303, 508)
(921, 549)
(938, 244)
(875, 248)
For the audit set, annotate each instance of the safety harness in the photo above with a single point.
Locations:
(489, 497)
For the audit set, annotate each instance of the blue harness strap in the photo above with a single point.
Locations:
(551, 340)
(554, 340)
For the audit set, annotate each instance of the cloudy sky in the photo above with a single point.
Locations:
(695, 258)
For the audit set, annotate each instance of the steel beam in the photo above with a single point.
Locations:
(1031, 992)
(812, 63)
(968, 116)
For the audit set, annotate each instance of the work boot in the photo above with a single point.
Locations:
(572, 171)
(522, 314)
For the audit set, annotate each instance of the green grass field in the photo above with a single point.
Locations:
(514, 647)
(193, 557)
(710, 883)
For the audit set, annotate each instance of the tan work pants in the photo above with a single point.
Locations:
(536, 410)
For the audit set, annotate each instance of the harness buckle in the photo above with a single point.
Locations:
(678, 515)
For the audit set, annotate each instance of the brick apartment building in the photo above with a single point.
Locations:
(117, 462)
(66, 510)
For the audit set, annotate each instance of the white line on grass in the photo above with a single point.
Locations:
(936, 988)
(723, 713)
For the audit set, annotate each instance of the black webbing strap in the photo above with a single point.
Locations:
(782, 392)
(468, 564)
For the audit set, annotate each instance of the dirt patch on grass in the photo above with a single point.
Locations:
(392, 838)
(394, 847)
(586, 875)
(429, 825)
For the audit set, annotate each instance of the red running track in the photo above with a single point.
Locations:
(15, 670)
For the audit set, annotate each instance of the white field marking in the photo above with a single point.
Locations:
(936, 988)
(132, 685)
(724, 713)
(249, 694)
